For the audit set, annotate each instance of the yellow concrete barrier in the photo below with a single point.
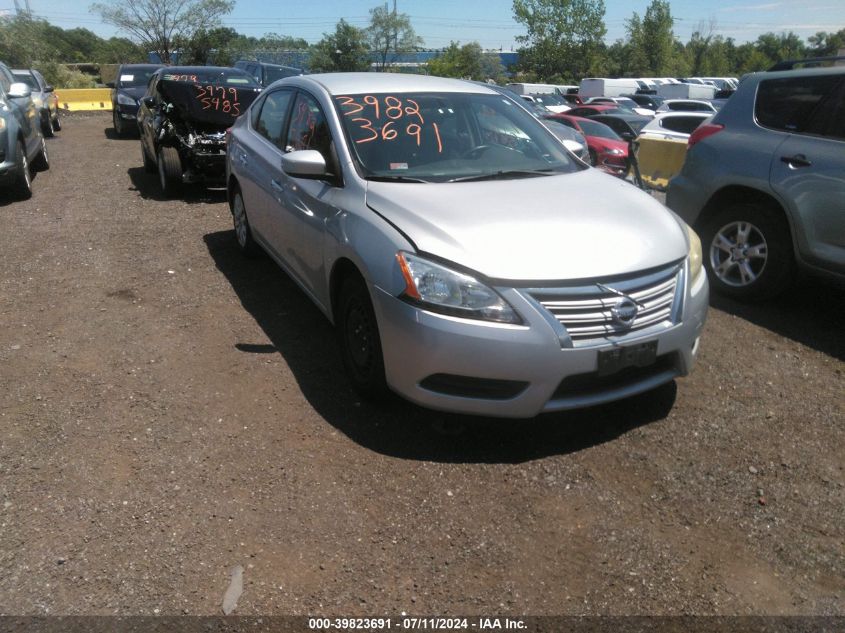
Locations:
(74, 99)
(660, 159)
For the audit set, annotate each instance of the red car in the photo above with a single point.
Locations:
(607, 149)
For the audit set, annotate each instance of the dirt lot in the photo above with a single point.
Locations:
(169, 410)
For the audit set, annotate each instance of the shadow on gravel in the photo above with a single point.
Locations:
(810, 313)
(147, 186)
(112, 135)
(305, 339)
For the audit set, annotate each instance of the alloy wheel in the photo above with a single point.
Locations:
(738, 253)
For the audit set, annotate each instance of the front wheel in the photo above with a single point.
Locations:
(57, 125)
(748, 251)
(360, 344)
(118, 124)
(169, 171)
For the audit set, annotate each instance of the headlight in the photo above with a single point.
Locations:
(440, 289)
(123, 99)
(615, 152)
(694, 254)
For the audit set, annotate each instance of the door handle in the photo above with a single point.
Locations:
(277, 186)
(799, 160)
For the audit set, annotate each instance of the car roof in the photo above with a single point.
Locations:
(357, 83)
(143, 66)
(21, 70)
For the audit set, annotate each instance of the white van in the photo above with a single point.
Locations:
(686, 91)
(600, 87)
(531, 89)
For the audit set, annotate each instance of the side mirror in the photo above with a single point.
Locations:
(19, 90)
(306, 163)
(627, 136)
(110, 84)
(49, 88)
(149, 102)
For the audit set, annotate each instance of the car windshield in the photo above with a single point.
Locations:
(134, 77)
(274, 73)
(550, 99)
(594, 128)
(28, 79)
(443, 137)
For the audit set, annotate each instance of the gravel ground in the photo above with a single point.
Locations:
(170, 410)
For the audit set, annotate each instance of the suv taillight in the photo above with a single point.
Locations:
(702, 132)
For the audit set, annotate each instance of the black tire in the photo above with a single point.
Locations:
(22, 185)
(243, 231)
(47, 126)
(169, 171)
(358, 336)
(748, 251)
(149, 163)
(117, 123)
(41, 162)
(57, 125)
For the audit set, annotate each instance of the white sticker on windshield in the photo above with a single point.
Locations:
(398, 165)
(127, 77)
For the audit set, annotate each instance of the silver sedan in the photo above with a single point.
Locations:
(468, 261)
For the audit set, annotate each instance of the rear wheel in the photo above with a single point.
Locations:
(358, 335)
(169, 171)
(47, 125)
(42, 160)
(243, 232)
(22, 185)
(748, 251)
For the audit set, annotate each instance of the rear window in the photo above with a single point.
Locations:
(788, 103)
(683, 124)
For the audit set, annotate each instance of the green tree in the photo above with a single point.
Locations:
(780, 46)
(390, 34)
(345, 50)
(564, 37)
(467, 62)
(824, 44)
(158, 24)
(209, 45)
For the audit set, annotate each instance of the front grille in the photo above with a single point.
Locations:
(471, 387)
(585, 311)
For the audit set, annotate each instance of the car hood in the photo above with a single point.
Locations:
(573, 226)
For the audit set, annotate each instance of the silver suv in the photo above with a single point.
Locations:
(764, 182)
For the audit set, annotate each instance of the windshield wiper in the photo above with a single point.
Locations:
(505, 175)
(395, 179)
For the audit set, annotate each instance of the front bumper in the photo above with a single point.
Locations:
(522, 367)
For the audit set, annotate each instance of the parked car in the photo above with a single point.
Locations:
(592, 110)
(44, 98)
(608, 151)
(183, 120)
(627, 126)
(687, 105)
(674, 124)
(424, 217)
(552, 102)
(764, 182)
(127, 89)
(22, 146)
(265, 73)
(624, 103)
(652, 102)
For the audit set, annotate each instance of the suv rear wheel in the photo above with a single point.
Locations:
(748, 251)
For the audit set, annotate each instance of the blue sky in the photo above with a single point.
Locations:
(490, 22)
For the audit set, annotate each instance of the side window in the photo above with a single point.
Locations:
(828, 120)
(787, 104)
(271, 117)
(568, 123)
(309, 128)
(255, 71)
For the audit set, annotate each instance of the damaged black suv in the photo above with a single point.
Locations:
(183, 120)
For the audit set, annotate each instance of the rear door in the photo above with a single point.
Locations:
(808, 169)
